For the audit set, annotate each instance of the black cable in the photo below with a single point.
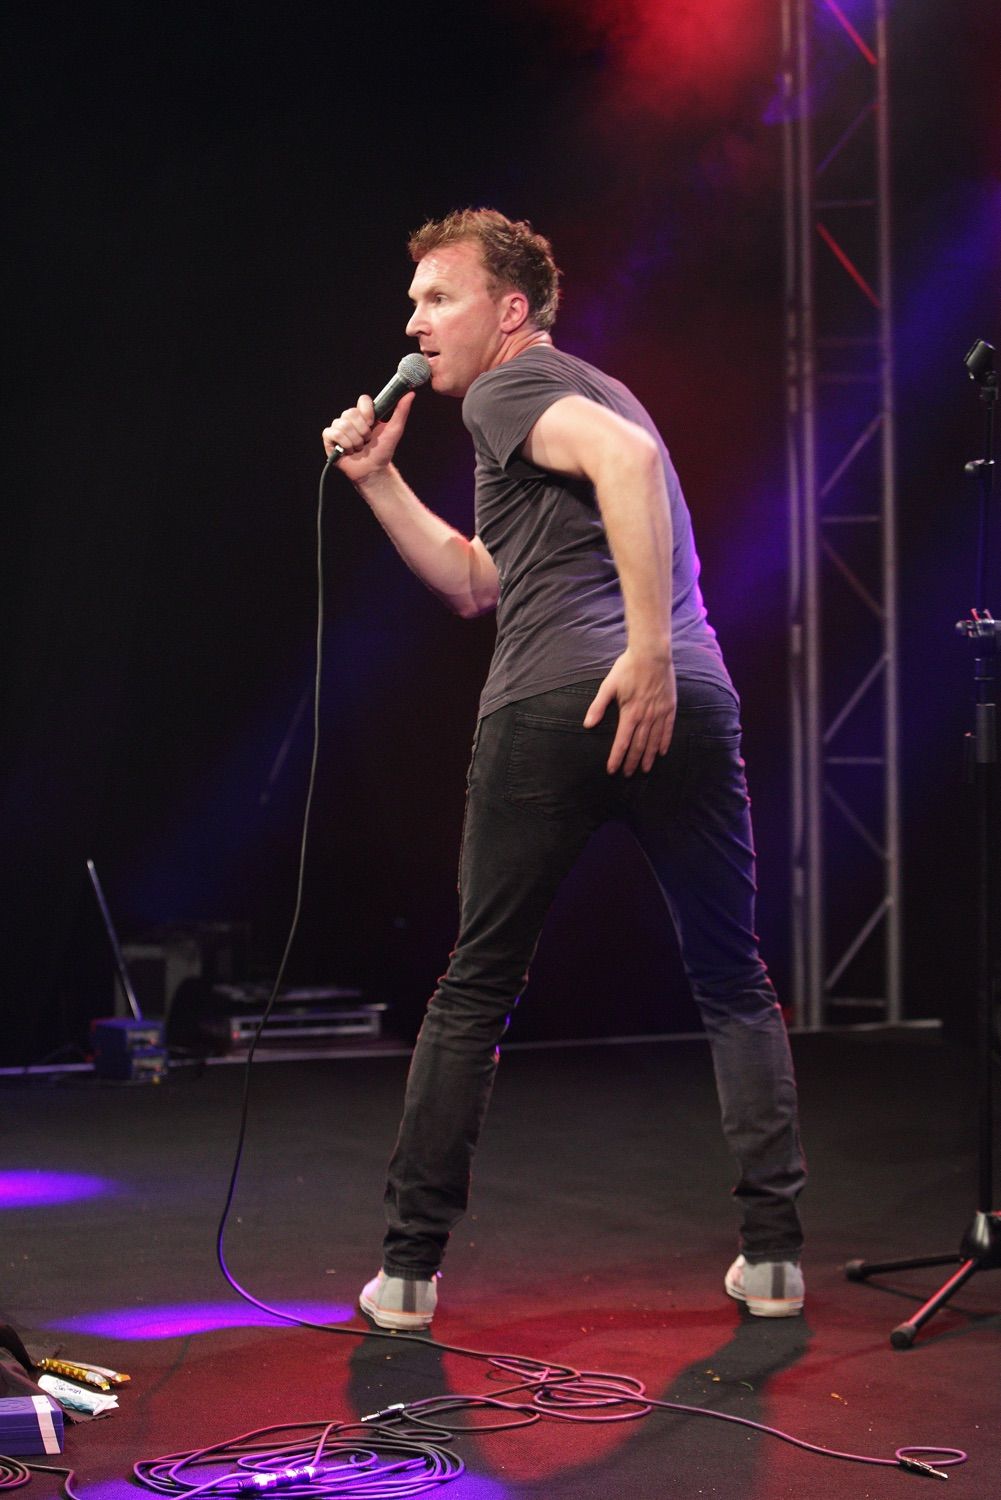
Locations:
(14, 1473)
(300, 883)
(329, 1459)
(554, 1391)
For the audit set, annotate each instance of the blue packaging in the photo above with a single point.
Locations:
(30, 1424)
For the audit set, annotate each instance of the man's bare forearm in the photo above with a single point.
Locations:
(632, 497)
(457, 570)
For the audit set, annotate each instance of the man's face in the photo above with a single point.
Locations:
(456, 320)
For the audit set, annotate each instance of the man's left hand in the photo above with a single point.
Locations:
(645, 691)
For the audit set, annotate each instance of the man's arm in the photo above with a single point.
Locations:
(583, 440)
(458, 570)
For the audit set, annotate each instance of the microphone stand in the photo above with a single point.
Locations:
(980, 1249)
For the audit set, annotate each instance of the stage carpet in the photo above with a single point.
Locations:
(598, 1237)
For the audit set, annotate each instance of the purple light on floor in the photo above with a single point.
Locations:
(469, 1487)
(37, 1189)
(172, 1320)
(113, 1489)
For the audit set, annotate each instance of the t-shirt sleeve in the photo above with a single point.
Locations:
(502, 406)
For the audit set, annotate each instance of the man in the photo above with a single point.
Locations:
(606, 698)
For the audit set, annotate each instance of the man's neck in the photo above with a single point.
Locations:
(529, 339)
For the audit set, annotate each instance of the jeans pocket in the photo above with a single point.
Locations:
(555, 766)
(716, 784)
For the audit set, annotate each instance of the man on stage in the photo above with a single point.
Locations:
(607, 698)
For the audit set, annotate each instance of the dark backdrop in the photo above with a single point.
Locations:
(209, 206)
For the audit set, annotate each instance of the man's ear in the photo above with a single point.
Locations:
(515, 312)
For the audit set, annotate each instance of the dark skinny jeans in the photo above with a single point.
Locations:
(538, 789)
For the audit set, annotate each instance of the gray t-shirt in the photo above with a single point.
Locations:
(560, 615)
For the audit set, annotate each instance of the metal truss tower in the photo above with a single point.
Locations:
(843, 629)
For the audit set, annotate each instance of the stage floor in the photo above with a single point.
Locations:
(598, 1236)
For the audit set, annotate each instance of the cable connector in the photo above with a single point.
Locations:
(915, 1466)
(387, 1411)
(277, 1479)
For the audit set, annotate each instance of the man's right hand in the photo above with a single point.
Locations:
(647, 695)
(368, 445)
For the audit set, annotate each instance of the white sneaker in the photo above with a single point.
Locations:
(770, 1289)
(396, 1302)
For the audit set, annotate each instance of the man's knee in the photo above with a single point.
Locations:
(467, 1017)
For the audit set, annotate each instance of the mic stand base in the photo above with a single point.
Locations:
(981, 1246)
(980, 1251)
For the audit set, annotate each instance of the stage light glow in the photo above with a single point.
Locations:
(173, 1320)
(26, 1189)
(691, 57)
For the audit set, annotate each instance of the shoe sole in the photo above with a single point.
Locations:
(765, 1307)
(396, 1322)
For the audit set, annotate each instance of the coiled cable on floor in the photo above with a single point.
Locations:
(14, 1473)
(331, 1459)
(598, 1396)
(393, 1454)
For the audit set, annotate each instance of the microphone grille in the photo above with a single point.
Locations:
(414, 370)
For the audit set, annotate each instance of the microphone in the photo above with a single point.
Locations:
(412, 371)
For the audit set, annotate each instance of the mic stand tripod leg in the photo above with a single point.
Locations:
(981, 1245)
(982, 1248)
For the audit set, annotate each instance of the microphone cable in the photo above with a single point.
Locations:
(300, 885)
(394, 1452)
(14, 1472)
